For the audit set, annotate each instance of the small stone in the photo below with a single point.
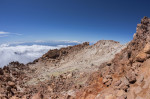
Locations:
(125, 84)
(49, 89)
(131, 77)
(69, 75)
(11, 83)
(124, 81)
(105, 80)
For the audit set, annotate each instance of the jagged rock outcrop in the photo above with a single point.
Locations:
(128, 71)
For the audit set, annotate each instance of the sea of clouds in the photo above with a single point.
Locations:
(27, 52)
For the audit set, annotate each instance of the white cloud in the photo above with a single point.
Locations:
(2, 32)
(22, 53)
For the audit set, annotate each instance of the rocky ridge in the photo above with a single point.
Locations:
(126, 76)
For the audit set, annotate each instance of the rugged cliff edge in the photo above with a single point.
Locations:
(105, 70)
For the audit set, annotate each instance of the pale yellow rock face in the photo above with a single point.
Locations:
(147, 48)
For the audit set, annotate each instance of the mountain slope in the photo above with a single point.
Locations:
(58, 72)
(127, 76)
(81, 58)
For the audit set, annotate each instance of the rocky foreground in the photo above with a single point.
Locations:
(105, 70)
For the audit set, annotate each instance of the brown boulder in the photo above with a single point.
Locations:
(131, 77)
(141, 57)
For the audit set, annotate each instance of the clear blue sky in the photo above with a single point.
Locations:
(81, 20)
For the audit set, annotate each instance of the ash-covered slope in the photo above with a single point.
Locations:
(127, 75)
(80, 59)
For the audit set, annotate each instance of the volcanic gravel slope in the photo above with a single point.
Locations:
(82, 59)
(58, 73)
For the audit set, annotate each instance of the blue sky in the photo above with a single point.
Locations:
(80, 20)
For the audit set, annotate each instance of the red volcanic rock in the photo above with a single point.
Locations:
(55, 54)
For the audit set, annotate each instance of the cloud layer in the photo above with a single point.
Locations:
(23, 53)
